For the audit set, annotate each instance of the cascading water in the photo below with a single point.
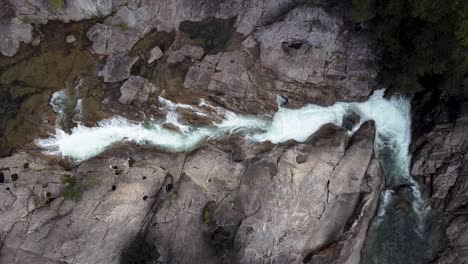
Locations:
(60, 102)
(392, 117)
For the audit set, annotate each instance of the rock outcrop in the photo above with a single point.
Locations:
(303, 51)
(136, 89)
(199, 207)
(441, 162)
(118, 68)
(229, 200)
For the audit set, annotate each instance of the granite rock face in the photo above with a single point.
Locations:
(109, 39)
(135, 89)
(227, 201)
(194, 208)
(441, 162)
(308, 55)
(118, 68)
(303, 51)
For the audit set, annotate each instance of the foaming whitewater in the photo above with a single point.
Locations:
(390, 230)
(392, 118)
(85, 142)
(59, 103)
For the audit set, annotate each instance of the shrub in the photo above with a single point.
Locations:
(57, 4)
(72, 190)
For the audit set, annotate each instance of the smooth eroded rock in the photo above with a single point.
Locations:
(117, 68)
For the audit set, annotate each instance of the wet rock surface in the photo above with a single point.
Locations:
(440, 163)
(117, 68)
(229, 201)
(196, 207)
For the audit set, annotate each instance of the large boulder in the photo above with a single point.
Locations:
(136, 89)
(117, 68)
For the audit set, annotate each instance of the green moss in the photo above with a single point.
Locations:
(26, 20)
(68, 180)
(19, 92)
(20, 129)
(72, 194)
(94, 19)
(57, 4)
(33, 21)
(73, 191)
(171, 79)
(28, 79)
(208, 211)
(124, 26)
(49, 69)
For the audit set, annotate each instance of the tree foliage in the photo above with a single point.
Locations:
(424, 43)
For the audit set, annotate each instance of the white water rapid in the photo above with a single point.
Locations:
(393, 135)
(392, 119)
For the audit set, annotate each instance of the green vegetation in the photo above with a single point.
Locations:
(94, 20)
(124, 26)
(72, 191)
(425, 42)
(25, 20)
(208, 211)
(33, 21)
(57, 4)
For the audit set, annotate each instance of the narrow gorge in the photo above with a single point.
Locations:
(218, 131)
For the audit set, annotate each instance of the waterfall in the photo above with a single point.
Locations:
(393, 135)
(68, 109)
(391, 117)
(60, 102)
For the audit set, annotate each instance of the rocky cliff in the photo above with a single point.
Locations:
(66, 64)
(440, 162)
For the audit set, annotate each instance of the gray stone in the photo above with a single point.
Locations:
(190, 51)
(36, 42)
(117, 68)
(350, 120)
(135, 89)
(154, 54)
(112, 39)
(275, 200)
(11, 34)
(70, 39)
(441, 161)
(308, 56)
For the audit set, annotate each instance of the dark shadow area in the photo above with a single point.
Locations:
(212, 33)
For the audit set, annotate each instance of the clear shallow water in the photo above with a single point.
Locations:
(393, 238)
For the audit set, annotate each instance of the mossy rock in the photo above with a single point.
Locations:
(22, 129)
(208, 211)
(49, 70)
(155, 38)
(28, 79)
(57, 5)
